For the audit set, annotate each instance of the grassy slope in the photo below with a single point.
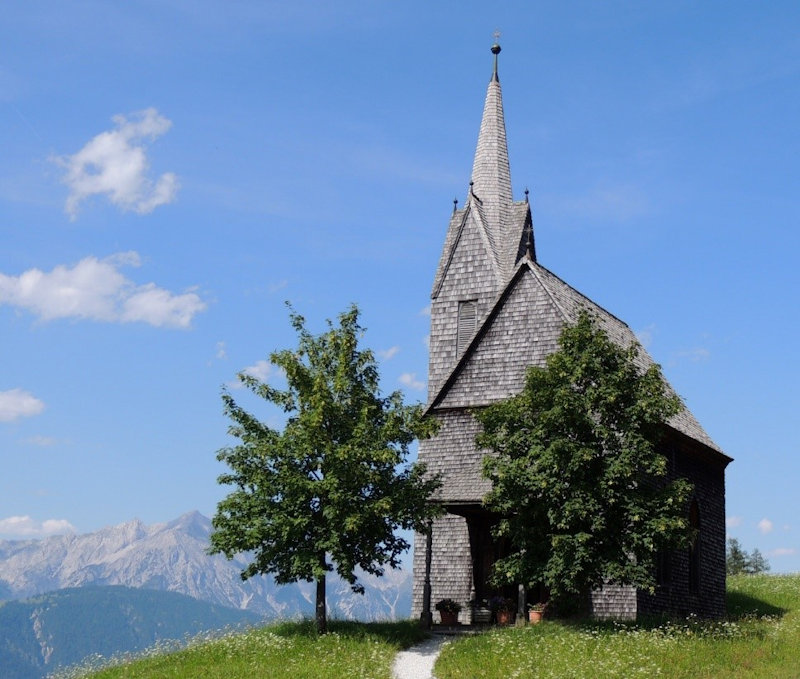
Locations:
(285, 650)
(760, 640)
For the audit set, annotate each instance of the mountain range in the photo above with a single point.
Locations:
(61, 629)
(125, 587)
(172, 557)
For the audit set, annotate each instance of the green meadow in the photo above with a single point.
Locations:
(760, 639)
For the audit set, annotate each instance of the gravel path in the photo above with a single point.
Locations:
(417, 661)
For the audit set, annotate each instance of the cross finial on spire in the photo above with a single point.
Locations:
(496, 50)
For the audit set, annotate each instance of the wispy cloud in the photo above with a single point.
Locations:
(386, 354)
(96, 289)
(222, 352)
(25, 526)
(41, 441)
(280, 285)
(620, 202)
(733, 521)
(114, 164)
(765, 526)
(783, 551)
(695, 355)
(645, 335)
(425, 311)
(16, 403)
(410, 380)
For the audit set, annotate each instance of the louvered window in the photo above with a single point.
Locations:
(467, 323)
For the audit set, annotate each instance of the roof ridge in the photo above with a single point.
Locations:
(441, 273)
(578, 292)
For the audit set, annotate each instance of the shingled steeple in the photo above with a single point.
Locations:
(491, 173)
(495, 312)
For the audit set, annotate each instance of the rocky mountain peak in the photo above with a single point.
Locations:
(172, 556)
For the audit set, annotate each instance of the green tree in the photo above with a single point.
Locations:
(330, 490)
(738, 561)
(576, 477)
(736, 558)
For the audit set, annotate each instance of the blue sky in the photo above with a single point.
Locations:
(172, 172)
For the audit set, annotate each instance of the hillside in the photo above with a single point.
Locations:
(172, 557)
(759, 640)
(62, 628)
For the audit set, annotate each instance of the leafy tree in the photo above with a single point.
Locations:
(738, 561)
(329, 491)
(576, 476)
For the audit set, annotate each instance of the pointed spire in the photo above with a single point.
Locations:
(491, 174)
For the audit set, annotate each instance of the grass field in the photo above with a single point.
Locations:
(287, 650)
(760, 639)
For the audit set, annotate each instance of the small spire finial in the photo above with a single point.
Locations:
(526, 194)
(455, 204)
(529, 243)
(496, 50)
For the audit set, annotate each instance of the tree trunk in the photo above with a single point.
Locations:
(321, 611)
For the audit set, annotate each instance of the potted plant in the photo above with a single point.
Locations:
(536, 612)
(448, 610)
(504, 609)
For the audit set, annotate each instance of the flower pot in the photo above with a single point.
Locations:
(449, 618)
(505, 617)
(535, 617)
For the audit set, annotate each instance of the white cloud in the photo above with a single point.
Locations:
(425, 311)
(410, 380)
(261, 370)
(386, 354)
(733, 521)
(427, 341)
(95, 289)
(783, 551)
(114, 164)
(17, 403)
(765, 526)
(25, 526)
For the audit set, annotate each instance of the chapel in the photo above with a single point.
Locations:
(495, 310)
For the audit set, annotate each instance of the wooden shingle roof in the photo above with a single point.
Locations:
(521, 330)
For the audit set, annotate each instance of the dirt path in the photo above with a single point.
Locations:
(417, 662)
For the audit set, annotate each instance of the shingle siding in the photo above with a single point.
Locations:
(489, 256)
(451, 566)
(469, 275)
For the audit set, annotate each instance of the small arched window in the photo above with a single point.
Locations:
(694, 548)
